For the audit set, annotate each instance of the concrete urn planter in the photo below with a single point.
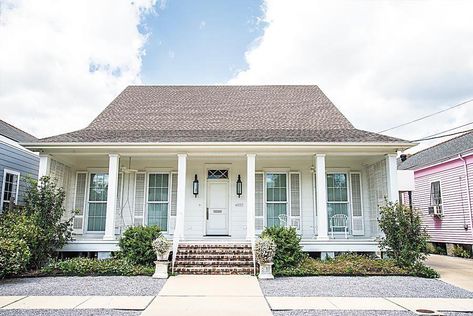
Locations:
(266, 271)
(161, 271)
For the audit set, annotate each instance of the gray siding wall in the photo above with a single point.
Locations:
(449, 228)
(22, 161)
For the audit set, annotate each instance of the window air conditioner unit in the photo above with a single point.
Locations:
(435, 210)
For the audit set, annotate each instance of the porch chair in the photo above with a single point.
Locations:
(339, 221)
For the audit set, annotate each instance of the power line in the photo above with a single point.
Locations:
(427, 116)
(448, 130)
(435, 137)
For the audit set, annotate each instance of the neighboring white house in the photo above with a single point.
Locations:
(220, 163)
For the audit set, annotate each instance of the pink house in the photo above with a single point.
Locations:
(444, 190)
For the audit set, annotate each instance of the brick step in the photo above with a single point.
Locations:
(214, 270)
(213, 256)
(211, 263)
(214, 251)
(185, 245)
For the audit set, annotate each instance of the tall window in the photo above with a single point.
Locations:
(435, 194)
(98, 190)
(158, 200)
(10, 188)
(337, 194)
(276, 198)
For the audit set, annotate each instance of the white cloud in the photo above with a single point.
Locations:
(62, 62)
(381, 62)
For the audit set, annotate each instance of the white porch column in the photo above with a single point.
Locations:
(181, 194)
(113, 166)
(391, 172)
(44, 164)
(322, 215)
(250, 195)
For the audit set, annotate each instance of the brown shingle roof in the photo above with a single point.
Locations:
(221, 114)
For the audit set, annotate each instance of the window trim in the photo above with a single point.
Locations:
(145, 211)
(430, 193)
(86, 221)
(5, 171)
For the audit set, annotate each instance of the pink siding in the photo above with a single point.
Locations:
(451, 174)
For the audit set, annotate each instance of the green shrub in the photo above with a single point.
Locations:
(39, 222)
(288, 249)
(459, 251)
(136, 244)
(88, 266)
(405, 239)
(14, 256)
(423, 271)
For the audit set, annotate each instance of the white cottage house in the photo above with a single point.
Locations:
(212, 166)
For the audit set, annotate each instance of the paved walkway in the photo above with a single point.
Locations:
(456, 271)
(210, 295)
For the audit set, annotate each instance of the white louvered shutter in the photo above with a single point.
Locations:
(139, 211)
(295, 187)
(259, 202)
(118, 211)
(79, 202)
(173, 203)
(356, 205)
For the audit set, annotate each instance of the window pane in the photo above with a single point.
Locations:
(217, 174)
(10, 189)
(98, 187)
(436, 195)
(337, 208)
(276, 190)
(273, 212)
(337, 188)
(158, 215)
(158, 187)
(96, 219)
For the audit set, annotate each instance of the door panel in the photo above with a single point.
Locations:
(217, 208)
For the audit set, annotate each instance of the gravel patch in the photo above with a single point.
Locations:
(68, 312)
(388, 286)
(76, 286)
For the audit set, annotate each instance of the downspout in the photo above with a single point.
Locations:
(468, 191)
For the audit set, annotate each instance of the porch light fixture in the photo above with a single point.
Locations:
(239, 187)
(195, 186)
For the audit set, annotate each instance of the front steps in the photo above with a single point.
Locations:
(214, 258)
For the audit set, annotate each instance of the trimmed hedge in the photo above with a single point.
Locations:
(288, 248)
(94, 267)
(354, 265)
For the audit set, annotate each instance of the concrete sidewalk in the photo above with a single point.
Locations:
(210, 295)
(453, 270)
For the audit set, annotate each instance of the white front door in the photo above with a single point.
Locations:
(217, 207)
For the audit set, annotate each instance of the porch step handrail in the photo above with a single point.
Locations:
(175, 245)
(254, 255)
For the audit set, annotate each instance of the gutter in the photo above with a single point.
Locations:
(468, 192)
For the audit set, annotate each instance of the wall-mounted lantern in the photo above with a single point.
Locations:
(239, 187)
(195, 186)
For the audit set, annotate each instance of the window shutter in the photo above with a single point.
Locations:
(173, 203)
(118, 214)
(138, 214)
(79, 202)
(356, 205)
(259, 202)
(295, 187)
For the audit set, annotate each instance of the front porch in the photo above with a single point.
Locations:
(225, 194)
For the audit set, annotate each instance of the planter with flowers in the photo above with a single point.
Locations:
(265, 249)
(162, 248)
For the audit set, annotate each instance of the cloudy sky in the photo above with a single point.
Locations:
(381, 62)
